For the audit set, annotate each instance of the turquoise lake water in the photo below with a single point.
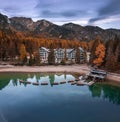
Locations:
(21, 102)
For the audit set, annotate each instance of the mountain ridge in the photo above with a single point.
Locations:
(68, 31)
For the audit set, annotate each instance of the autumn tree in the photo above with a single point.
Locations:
(37, 57)
(77, 55)
(117, 57)
(93, 49)
(51, 57)
(113, 55)
(90, 45)
(111, 63)
(100, 54)
(65, 55)
(23, 53)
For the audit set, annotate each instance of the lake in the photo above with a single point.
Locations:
(20, 102)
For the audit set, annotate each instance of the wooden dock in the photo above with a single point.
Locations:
(96, 75)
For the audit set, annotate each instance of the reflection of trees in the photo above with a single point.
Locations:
(52, 78)
(3, 84)
(112, 93)
(65, 76)
(15, 83)
(95, 90)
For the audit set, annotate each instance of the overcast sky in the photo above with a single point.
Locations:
(103, 13)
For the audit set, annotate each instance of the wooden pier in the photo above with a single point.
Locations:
(97, 75)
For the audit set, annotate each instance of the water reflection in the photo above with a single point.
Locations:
(3, 84)
(100, 90)
(106, 91)
(33, 78)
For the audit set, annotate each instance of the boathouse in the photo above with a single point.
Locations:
(97, 75)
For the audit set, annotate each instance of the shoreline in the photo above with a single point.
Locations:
(81, 69)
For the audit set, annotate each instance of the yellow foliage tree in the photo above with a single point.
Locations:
(100, 54)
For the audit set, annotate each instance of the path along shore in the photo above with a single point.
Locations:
(82, 69)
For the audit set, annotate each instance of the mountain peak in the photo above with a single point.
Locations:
(44, 22)
(45, 28)
(22, 23)
(4, 21)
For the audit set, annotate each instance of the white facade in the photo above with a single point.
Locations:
(71, 54)
(44, 54)
(88, 56)
(60, 54)
(82, 58)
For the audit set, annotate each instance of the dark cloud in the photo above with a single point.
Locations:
(111, 9)
(66, 13)
(73, 13)
(61, 9)
(48, 13)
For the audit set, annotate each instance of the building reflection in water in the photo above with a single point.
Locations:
(100, 90)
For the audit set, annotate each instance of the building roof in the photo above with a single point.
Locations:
(81, 49)
(47, 50)
(69, 50)
(63, 49)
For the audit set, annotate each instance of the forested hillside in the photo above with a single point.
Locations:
(20, 37)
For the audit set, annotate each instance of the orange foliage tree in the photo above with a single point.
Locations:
(100, 54)
(23, 52)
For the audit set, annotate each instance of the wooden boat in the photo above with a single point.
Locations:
(25, 82)
(62, 82)
(71, 81)
(44, 83)
(80, 83)
(55, 83)
(35, 83)
(28, 82)
(77, 79)
(21, 81)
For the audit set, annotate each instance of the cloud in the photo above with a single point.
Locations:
(59, 14)
(18, 8)
(11, 9)
(96, 12)
(111, 9)
(65, 9)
